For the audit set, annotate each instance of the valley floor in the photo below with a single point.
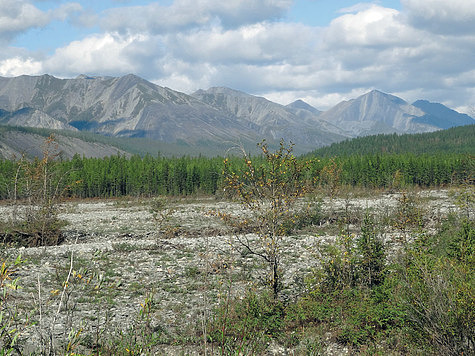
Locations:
(120, 273)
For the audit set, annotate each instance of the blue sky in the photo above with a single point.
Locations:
(321, 12)
(321, 51)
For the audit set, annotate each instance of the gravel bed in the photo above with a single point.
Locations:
(120, 258)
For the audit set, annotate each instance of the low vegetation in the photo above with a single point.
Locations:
(394, 279)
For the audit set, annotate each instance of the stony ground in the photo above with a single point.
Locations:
(127, 270)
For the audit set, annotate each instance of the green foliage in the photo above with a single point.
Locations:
(453, 140)
(11, 323)
(437, 290)
(353, 261)
(427, 294)
(268, 191)
(371, 262)
(118, 175)
(244, 326)
(351, 290)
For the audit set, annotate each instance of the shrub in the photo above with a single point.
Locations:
(39, 184)
(244, 327)
(268, 191)
(436, 288)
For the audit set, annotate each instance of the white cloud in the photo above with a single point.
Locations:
(442, 16)
(19, 16)
(373, 48)
(257, 43)
(194, 44)
(63, 12)
(99, 54)
(16, 66)
(374, 26)
(183, 14)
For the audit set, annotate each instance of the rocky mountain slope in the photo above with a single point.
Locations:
(376, 112)
(130, 106)
(303, 110)
(271, 119)
(125, 106)
(15, 143)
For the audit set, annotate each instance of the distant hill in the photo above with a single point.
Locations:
(441, 115)
(15, 141)
(454, 140)
(18, 141)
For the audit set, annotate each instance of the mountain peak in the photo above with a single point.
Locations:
(84, 76)
(379, 95)
(132, 78)
(376, 112)
(225, 90)
(302, 105)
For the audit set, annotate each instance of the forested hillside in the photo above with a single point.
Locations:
(455, 140)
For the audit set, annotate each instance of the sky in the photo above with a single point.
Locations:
(320, 51)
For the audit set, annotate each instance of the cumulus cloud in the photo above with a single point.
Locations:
(455, 17)
(183, 14)
(257, 43)
(16, 66)
(98, 54)
(425, 50)
(365, 48)
(374, 26)
(21, 15)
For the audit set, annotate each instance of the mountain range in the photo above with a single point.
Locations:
(130, 106)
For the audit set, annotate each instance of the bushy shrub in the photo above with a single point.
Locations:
(244, 326)
(436, 289)
(351, 291)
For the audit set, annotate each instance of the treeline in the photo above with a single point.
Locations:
(149, 176)
(396, 170)
(455, 140)
(142, 176)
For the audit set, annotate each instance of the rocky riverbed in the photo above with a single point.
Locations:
(120, 270)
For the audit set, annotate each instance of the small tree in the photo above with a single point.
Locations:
(40, 184)
(268, 191)
(330, 177)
